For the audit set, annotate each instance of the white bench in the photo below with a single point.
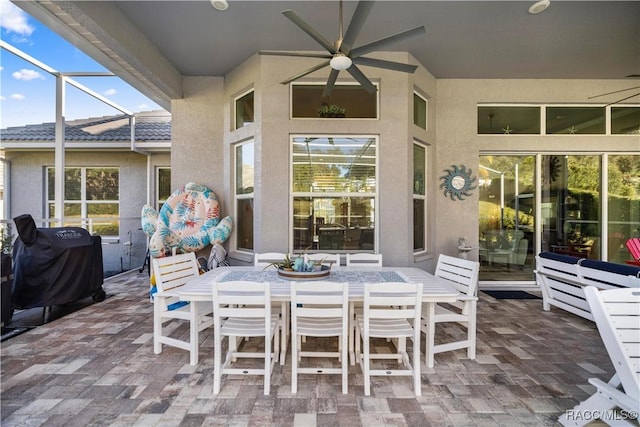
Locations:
(562, 279)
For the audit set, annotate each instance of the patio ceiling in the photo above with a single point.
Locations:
(153, 44)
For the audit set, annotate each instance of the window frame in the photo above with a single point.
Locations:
(321, 84)
(426, 110)
(423, 197)
(235, 109)
(244, 196)
(320, 195)
(84, 220)
(159, 200)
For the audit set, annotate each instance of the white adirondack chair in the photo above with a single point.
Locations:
(617, 315)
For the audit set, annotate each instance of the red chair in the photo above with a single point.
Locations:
(633, 245)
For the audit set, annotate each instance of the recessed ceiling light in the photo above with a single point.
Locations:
(220, 4)
(539, 6)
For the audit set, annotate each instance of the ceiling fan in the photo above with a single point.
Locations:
(634, 76)
(342, 54)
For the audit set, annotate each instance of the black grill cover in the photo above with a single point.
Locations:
(54, 266)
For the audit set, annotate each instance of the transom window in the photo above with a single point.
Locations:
(244, 113)
(346, 100)
(334, 188)
(91, 198)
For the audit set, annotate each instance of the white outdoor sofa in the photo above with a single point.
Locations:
(563, 278)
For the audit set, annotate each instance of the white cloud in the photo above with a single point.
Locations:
(1, 68)
(2, 98)
(109, 92)
(17, 96)
(27, 75)
(13, 19)
(142, 107)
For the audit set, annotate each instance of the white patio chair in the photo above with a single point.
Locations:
(364, 260)
(462, 274)
(265, 259)
(390, 310)
(170, 274)
(319, 309)
(243, 309)
(333, 259)
(616, 313)
(359, 260)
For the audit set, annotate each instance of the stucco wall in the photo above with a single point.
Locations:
(27, 189)
(271, 132)
(459, 143)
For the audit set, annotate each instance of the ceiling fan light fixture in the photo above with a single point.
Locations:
(220, 4)
(539, 6)
(340, 62)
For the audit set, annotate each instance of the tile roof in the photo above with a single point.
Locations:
(149, 126)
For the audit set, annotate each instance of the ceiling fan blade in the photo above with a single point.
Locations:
(361, 78)
(355, 26)
(387, 65)
(299, 54)
(304, 73)
(615, 91)
(378, 44)
(330, 83)
(623, 99)
(309, 30)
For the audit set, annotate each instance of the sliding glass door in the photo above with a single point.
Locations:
(507, 217)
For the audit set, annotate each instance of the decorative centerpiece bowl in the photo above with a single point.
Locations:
(305, 275)
(298, 269)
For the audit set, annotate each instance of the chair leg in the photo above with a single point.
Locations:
(294, 362)
(157, 328)
(417, 383)
(344, 362)
(217, 363)
(267, 364)
(367, 366)
(471, 331)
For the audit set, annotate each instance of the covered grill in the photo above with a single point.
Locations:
(55, 266)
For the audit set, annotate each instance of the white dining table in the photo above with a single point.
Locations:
(434, 289)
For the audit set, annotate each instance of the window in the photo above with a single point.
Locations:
(163, 186)
(508, 120)
(244, 110)
(91, 198)
(419, 197)
(625, 120)
(348, 99)
(575, 120)
(419, 111)
(244, 181)
(333, 185)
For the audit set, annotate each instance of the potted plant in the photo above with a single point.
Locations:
(332, 110)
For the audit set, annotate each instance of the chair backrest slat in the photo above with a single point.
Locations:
(381, 300)
(266, 258)
(319, 299)
(462, 274)
(174, 271)
(364, 260)
(231, 299)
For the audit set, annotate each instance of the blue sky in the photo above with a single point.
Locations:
(27, 93)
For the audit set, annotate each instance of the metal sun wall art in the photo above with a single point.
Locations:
(458, 182)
